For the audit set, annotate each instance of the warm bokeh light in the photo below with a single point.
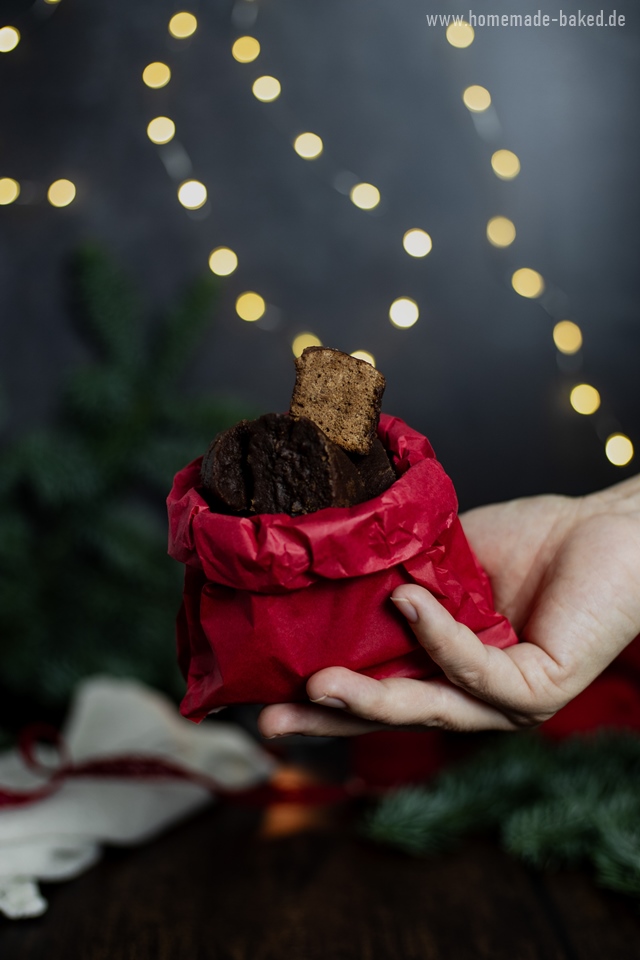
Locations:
(460, 34)
(246, 49)
(584, 399)
(365, 196)
(527, 282)
(250, 306)
(156, 75)
(505, 164)
(222, 261)
(266, 89)
(403, 312)
(501, 232)
(192, 194)
(182, 25)
(619, 449)
(9, 39)
(52, 1)
(364, 355)
(476, 98)
(61, 193)
(308, 145)
(304, 340)
(567, 336)
(9, 190)
(417, 243)
(161, 130)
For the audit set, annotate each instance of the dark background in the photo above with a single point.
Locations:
(479, 372)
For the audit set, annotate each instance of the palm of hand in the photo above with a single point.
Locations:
(565, 573)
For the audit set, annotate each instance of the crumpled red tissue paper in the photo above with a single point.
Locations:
(270, 599)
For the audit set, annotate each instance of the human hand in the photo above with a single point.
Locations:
(566, 572)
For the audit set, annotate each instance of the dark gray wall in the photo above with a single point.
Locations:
(478, 373)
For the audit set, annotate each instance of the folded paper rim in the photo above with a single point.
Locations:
(275, 552)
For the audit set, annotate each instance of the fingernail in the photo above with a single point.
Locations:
(407, 608)
(328, 701)
(274, 736)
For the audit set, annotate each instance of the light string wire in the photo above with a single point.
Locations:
(61, 192)
(404, 311)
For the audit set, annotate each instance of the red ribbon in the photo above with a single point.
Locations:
(132, 766)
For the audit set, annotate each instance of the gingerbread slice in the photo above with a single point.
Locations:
(341, 394)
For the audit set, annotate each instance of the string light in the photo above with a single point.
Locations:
(156, 75)
(304, 340)
(584, 399)
(365, 196)
(250, 306)
(308, 145)
(476, 98)
(222, 261)
(246, 49)
(460, 34)
(505, 164)
(619, 449)
(403, 312)
(266, 89)
(417, 243)
(182, 25)
(501, 232)
(192, 194)
(161, 130)
(364, 355)
(9, 190)
(61, 193)
(9, 39)
(527, 282)
(567, 336)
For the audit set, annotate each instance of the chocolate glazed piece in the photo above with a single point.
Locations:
(375, 469)
(224, 474)
(296, 469)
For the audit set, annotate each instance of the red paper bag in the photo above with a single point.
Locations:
(270, 599)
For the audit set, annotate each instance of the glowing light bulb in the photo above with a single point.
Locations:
(192, 194)
(417, 243)
(182, 25)
(308, 145)
(156, 75)
(505, 164)
(584, 399)
(222, 261)
(9, 39)
(266, 89)
(403, 312)
(250, 306)
(364, 355)
(61, 193)
(501, 232)
(567, 336)
(304, 340)
(161, 130)
(9, 190)
(527, 282)
(365, 196)
(476, 98)
(246, 49)
(460, 34)
(619, 449)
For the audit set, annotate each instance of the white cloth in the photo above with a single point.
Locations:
(60, 836)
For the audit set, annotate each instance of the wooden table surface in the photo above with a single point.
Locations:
(214, 888)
